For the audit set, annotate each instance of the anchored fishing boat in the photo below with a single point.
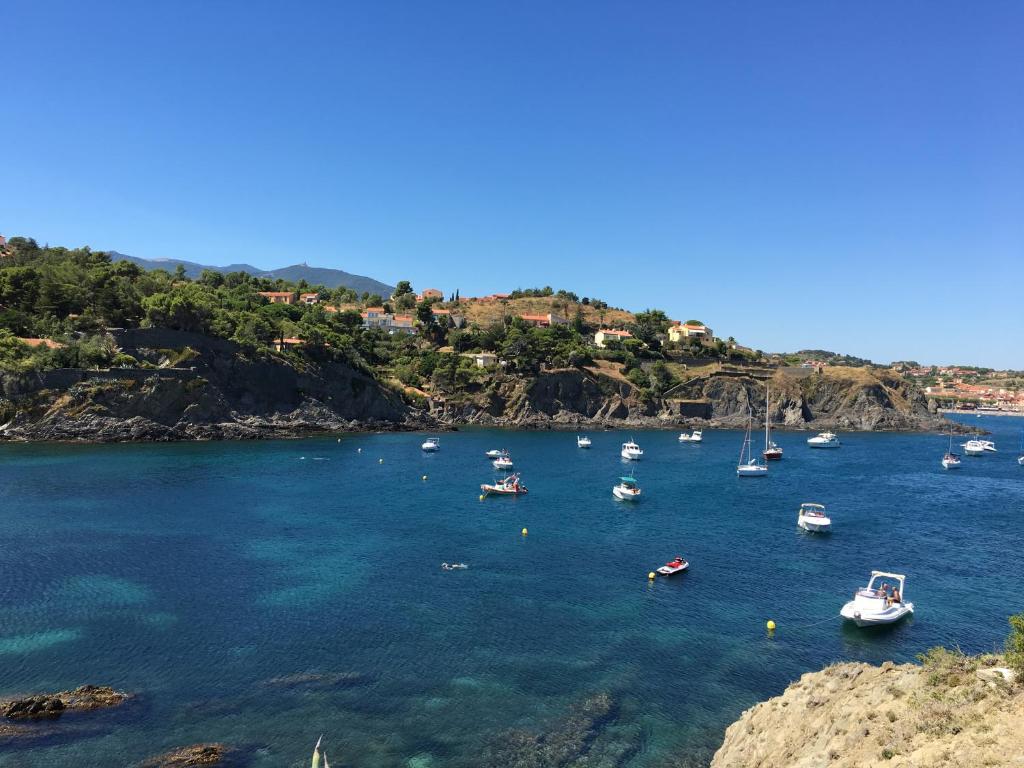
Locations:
(503, 463)
(431, 445)
(495, 453)
(582, 441)
(631, 451)
(876, 605)
(694, 437)
(824, 440)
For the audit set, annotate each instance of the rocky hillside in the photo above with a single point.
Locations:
(198, 388)
(848, 399)
(953, 712)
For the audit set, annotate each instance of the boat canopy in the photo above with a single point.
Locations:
(810, 505)
(628, 480)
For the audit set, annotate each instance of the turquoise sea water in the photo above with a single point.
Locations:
(195, 574)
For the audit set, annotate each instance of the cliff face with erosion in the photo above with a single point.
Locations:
(198, 388)
(959, 713)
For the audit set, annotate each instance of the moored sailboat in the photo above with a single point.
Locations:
(771, 452)
(751, 467)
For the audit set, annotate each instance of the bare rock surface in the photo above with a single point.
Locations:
(189, 757)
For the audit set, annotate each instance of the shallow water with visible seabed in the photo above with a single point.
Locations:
(263, 593)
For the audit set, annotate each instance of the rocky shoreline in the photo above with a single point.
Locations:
(227, 394)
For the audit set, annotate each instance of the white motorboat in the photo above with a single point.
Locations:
(1020, 459)
(749, 467)
(582, 441)
(503, 463)
(631, 451)
(694, 437)
(824, 440)
(510, 486)
(431, 444)
(627, 489)
(678, 565)
(974, 447)
(875, 605)
(812, 518)
(772, 451)
(495, 453)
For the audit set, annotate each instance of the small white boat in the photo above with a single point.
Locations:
(674, 566)
(873, 606)
(750, 467)
(974, 447)
(627, 489)
(772, 451)
(431, 444)
(1020, 460)
(694, 437)
(495, 453)
(582, 441)
(503, 463)
(824, 440)
(988, 445)
(812, 518)
(950, 460)
(510, 486)
(631, 451)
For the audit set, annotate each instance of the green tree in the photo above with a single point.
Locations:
(404, 287)
(1015, 647)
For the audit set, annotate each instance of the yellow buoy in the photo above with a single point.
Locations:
(770, 625)
(525, 532)
(482, 497)
(652, 575)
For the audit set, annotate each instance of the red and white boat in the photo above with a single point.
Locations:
(510, 486)
(674, 566)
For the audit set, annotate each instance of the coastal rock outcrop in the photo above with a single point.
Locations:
(48, 705)
(189, 757)
(950, 713)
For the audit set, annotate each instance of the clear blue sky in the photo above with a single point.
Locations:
(846, 176)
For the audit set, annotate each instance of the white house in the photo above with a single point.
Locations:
(607, 334)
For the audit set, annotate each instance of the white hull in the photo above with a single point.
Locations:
(667, 571)
(430, 447)
(752, 470)
(974, 451)
(815, 443)
(1020, 461)
(623, 494)
(695, 437)
(869, 618)
(502, 465)
(947, 464)
(582, 443)
(814, 524)
(632, 455)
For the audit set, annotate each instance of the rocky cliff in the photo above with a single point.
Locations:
(200, 388)
(953, 712)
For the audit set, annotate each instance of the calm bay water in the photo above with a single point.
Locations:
(195, 574)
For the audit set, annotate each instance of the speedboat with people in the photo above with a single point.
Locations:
(750, 467)
(631, 451)
(582, 441)
(812, 518)
(693, 437)
(678, 565)
(495, 453)
(509, 486)
(824, 440)
(627, 489)
(431, 445)
(878, 604)
(503, 463)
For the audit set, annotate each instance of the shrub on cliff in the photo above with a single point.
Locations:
(1015, 647)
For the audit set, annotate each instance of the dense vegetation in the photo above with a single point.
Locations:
(73, 296)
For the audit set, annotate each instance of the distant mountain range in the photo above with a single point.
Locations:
(332, 278)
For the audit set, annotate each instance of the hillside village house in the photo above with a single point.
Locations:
(309, 298)
(543, 321)
(376, 317)
(430, 293)
(683, 331)
(442, 316)
(607, 334)
(280, 345)
(482, 359)
(278, 297)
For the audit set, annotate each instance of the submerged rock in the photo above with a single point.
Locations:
(187, 757)
(316, 680)
(48, 705)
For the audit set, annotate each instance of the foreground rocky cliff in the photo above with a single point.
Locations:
(954, 712)
(199, 388)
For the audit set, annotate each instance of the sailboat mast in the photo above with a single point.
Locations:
(767, 418)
